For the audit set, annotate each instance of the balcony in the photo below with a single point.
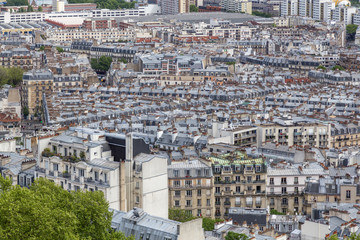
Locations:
(227, 203)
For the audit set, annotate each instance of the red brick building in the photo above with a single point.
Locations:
(92, 24)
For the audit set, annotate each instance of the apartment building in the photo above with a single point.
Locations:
(295, 133)
(242, 136)
(328, 190)
(171, 7)
(22, 58)
(78, 163)
(93, 24)
(191, 187)
(101, 35)
(36, 84)
(285, 186)
(243, 6)
(239, 181)
(148, 185)
(67, 81)
(344, 135)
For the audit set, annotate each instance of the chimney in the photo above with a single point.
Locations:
(129, 147)
(28, 163)
(4, 160)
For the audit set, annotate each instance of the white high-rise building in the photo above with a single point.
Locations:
(306, 8)
(322, 9)
(289, 8)
(344, 14)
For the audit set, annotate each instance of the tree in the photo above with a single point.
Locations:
(30, 8)
(46, 211)
(236, 236)
(15, 76)
(193, 8)
(275, 212)
(16, 3)
(40, 9)
(351, 31)
(42, 48)
(180, 215)
(25, 112)
(261, 14)
(337, 67)
(321, 67)
(333, 237)
(59, 49)
(102, 64)
(208, 223)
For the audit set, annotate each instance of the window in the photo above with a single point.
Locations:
(249, 188)
(227, 179)
(284, 210)
(296, 189)
(238, 189)
(296, 180)
(177, 193)
(272, 181)
(272, 201)
(199, 212)
(249, 179)
(188, 183)
(290, 228)
(96, 176)
(199, 202)
(56, 167)
(283, 190)
(105, 177)
(257, 168)
(198, 182)
(296, 200)
(283, 180)
(188, 203)
(137, 199)
(188, 193)
(237, 178)
(217, 189)
(177, 203)
(176, 183)
(348, 194)
(208, 202)
(284, 201)
(187, 173)
(199, 192)
(81, 172)
(277, 227)
(257, 177)
(176, 173)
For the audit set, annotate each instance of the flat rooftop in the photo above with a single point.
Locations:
(204, 17)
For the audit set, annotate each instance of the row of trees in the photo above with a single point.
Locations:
(261, 14)
(46, 211)
(108, 4)
(12, 76)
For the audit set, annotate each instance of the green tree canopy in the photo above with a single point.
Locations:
(16, 3)
(236, 236)
(12, 76)
(351, 31)
(180, 215)
(337, 67)
(30, 8)
(46, 211)
(40, 9)
(208, 224)
(193, 8)
(261, 14)
(59, 49)
(101, 64)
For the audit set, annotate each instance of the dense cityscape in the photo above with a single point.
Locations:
(180, 119)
